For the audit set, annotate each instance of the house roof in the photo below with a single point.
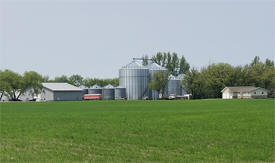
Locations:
(241, 89)
(61, 87)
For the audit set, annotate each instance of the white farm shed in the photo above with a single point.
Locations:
(60, 92)
(244, 92)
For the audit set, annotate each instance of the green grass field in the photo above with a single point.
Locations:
(138, 131)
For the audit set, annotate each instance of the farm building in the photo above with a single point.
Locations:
(60, 92)
(244, 92)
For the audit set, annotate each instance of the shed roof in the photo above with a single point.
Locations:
(61, 87)
(241, 88)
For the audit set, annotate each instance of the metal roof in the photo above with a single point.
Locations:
(241, 88)
(96, 87)
(120, 86)
(134, 65)
(155, 66)
(109, 86)
(61, 87)
(172, 77)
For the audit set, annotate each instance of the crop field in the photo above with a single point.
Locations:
(138, 131)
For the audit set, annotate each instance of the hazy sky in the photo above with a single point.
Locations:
(96, 38)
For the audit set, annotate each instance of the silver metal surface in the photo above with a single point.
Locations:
(120, 92)
(135, 78)
(108, 93)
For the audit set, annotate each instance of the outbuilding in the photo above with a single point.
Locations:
(244, 92)
(60, 92)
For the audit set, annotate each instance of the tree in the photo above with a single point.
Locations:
(184, 66)
(194, 83)
(76, 80)
(4, 85)
(255, 60)
(33, 82)
(61, 79)
(159, 82)
(14, 84)
(172, 62)
(145, 60)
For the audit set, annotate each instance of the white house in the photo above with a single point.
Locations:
(244, 92)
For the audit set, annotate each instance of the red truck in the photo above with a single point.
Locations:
(91, 97)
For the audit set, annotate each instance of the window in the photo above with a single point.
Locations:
(254, 92)
(262, 93)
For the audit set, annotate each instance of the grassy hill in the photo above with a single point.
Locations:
(141, 131)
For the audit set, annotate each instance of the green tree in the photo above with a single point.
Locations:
(184, 66)
(14, 84)
(61, 79)
(76, 80)
(145, 60)
(33, 82)
(159, 82)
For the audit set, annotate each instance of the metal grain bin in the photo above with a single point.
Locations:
(108, 92)
(174, 86)
(95, 89)
(120, 93)
(153, 68)
(135, 78)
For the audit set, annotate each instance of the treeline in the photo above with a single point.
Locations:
(174, 64)
(78, 80)
(13, 85)
(209, 81)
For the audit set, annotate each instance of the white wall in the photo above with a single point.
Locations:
(227, 94)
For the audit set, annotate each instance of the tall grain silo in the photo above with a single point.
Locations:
(95, 89)
(174, 86)
(120, 93)
(153, 68)
(108, 92)
(135, 78)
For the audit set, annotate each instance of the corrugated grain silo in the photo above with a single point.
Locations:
(120, 93)
(108, 92)
(153, 68)
(135, 78)
(174, 86)
(95, 89)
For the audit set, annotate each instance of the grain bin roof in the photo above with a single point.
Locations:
(155, 66)
(172, 77)
(96, 87)
(109, 86)
(61, 87)
(134, 65)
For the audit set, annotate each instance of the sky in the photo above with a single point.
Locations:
(95, 38)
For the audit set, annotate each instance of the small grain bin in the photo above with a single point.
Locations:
(120, 93)
(95, 89)
(108, 92)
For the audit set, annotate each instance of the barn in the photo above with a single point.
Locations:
(244, 92)
(60, 92)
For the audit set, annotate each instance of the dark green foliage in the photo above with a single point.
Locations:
(88, 82)
(138, 131)
(159, 82)
(209, 82)
(172, 62)
(14, 85)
